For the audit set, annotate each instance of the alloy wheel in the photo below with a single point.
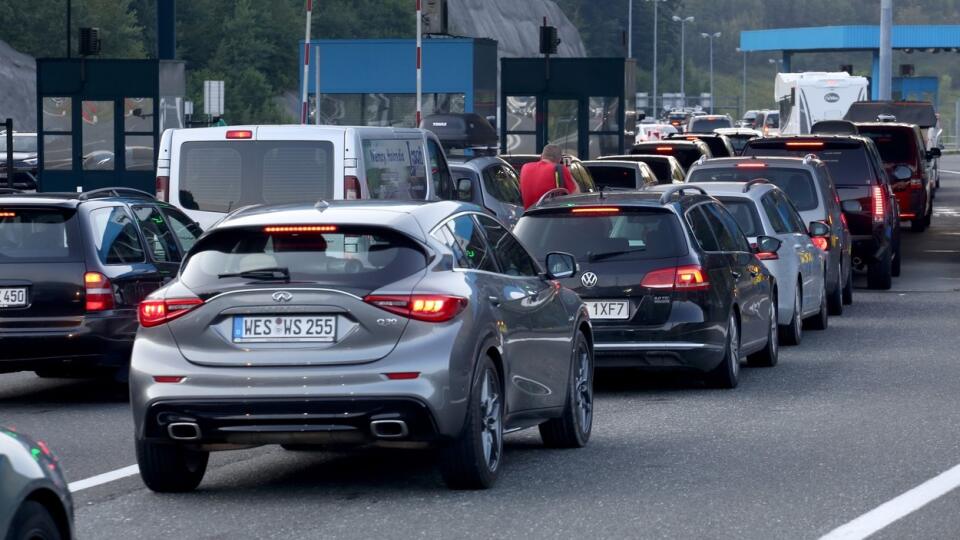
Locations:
(491, 428)
(584, 389)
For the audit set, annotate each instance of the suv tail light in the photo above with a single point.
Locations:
(161, 311)
(99, 292)
(878, 204)
(351, 188)
(820, 242)
(163, 188)
(421, 307)
(688, 278)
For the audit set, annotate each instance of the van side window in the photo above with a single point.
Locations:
(115, 236)
(773, 214)
(442, 180)
(395, 169)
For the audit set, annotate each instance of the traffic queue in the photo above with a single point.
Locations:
(311, 286)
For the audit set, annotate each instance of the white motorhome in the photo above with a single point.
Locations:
(806, 98)
(208, 172)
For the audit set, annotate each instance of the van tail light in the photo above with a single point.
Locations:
(163, 188)
(821, 242)
(99, 292)
(767, 255)
(878, 204)
(351, 188)
(686, 278)
(161, 311)
(421, 307)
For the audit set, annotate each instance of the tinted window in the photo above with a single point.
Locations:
(183, 227)
(797, 183)
(769, 205)
(161, 242)
(661, 169)
(218, 176)
(772, 120)
(789, 212)
(395, 169)
(613, 176)
(513, 258)
(707, 125)
(894, 145)
(442, 180)
(115, 236)
(725, 227)
(364, 258)
(701, 229)
(38, 234)
(630, 234)
(464, 238)
(502, 184)
(848, 166)
(745, 212)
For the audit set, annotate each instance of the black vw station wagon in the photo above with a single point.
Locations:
(669, 279)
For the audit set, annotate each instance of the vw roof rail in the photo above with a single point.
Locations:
(754, 182)
(115, 192)
(679, 188)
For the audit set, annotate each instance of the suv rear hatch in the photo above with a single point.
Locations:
(899, 146)
(41, 267)
(294, 295)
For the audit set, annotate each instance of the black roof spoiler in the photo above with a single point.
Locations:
(920, 113)
(834, 127)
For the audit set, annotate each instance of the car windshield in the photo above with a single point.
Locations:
(218, 176)
(745, 212)
(707, 125)
(21, 143)
(357, 257)
(628, 234)
(895, 145)
(48, 234)
(797, 183)
(613, 176)
(773, 120)
(848, 164)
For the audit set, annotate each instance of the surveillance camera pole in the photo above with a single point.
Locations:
(886, 51)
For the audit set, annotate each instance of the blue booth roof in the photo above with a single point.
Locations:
(846, 38)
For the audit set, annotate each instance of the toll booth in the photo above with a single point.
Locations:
(584, 105)
(99, 121)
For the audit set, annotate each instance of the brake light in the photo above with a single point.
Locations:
(664, 149)
(300, 228)
(99, 292)
(421, 307)
(878, 204)
(157, 312)
(163, 188)
(751, 165)
(595, 210)
(351, 188)
(692, 138)
(805, 144)
(821, 243)
(690, 278)
(8, 214)
(239, 134)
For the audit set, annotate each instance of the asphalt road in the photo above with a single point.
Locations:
(854, 417)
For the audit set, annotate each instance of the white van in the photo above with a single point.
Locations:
(210, 171)
(807, 98)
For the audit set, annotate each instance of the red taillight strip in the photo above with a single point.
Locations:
(421, 307)
(810, 144)
(878, 204)
(8, 214)
(239, 134)
(156, 312)
(299, 228)
(595, 210)
(751, 165)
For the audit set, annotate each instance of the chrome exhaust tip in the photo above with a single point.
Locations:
(389, 429)
(184, 431)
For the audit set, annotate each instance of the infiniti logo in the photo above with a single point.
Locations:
(282, 296)
(589, 279)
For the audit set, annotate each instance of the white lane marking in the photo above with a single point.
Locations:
(898, 507)
(101, 479)
(951, 172)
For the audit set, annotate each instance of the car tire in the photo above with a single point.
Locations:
(917, 226)
(792, 333)
(835, 298)
(473, 459)
(895, 263)
(928, 219)
(879, 273)
(822, 318)
(170, 468)
(727, 374)
(770, 354)
(33, 522)
(572, 430)
(848, 288)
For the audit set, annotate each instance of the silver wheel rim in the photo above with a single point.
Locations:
(773, 329)
(734, 348)
(797, 314)
(491, 429)
(583, 390)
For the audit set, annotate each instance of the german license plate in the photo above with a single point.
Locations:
(13, 297)
(278, 329)
(609, 309)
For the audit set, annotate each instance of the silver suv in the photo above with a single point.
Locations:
(355, 323)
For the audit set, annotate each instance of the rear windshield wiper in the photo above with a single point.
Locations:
(262, 274)
(609, 254)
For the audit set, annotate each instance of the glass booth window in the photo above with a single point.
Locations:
(604, 126)
(388, 110)
(138, 133)
(521, 125)
(97, 121)
(57, 128)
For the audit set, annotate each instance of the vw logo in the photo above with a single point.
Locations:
(589, 279)
(282, 296)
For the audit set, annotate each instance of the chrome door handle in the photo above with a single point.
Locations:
(735, 274)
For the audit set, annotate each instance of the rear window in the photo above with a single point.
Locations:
(218, 176)
(797, 183)
(745, 212)
(395, 168)
(628, 234)
(661, 169)
(502, 183)
(772, 120)
(38, 234)
(355, 257)
(686, 155)
(707, 125)
(895, 145)
(848, 166)
(614, 177)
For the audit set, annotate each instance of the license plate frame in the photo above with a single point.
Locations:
(600, 310)
(284, 329)
(7, 292)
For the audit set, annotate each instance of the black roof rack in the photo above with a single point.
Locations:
(115, 192)
(754, 182)
(679, 188)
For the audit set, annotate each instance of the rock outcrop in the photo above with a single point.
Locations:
(18, 88)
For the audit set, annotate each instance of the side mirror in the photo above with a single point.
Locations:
(561, 265)
(767, 245)
(933, 153)
(902, 173)
(818, 229)
(851, 206)
(464, 189)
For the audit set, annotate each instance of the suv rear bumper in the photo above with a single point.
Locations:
(869, 248)
(321, 421)
(87, 342)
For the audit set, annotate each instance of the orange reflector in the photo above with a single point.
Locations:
(239, 134)
(402, 375)
(595, 210)
(751, 165)
(299, 228)
(807, 144)
(8, 214)
(692, 138)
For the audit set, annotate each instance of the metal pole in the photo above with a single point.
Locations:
(630, 29)
(316, 83)
(653, 108)
(956, 125)
(886, 51)
(304, 107)
(69, 12)
(419, 63)
(712, 96)
(683, 65)
(8, 125)
(744, 104)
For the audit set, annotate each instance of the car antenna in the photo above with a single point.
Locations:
(322, 205)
